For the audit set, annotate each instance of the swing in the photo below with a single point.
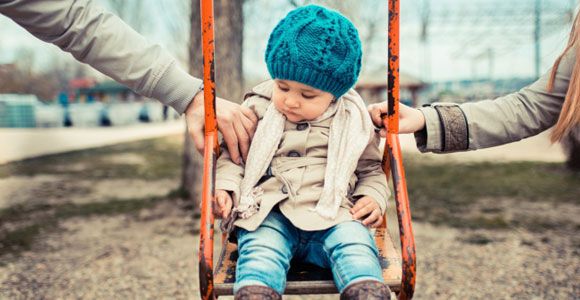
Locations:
(399, 269)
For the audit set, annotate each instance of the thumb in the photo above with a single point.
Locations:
(196, 133)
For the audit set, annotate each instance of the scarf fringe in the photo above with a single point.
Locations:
(249, 205)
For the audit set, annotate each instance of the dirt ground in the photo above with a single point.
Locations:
(145, 247)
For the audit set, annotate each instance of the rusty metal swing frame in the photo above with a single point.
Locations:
(400, 269)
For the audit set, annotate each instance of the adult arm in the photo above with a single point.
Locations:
(489, 123)
(105, 42)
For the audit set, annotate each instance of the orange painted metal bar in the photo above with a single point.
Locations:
(210, 155)
(393, 159)
(393, 68)
(394, 164)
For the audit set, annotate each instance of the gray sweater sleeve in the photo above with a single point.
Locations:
(105, 42)
(506, 119)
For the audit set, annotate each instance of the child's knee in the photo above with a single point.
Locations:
(352, 235)
(263, 263)
(265, 254)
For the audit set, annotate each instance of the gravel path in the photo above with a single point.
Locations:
(150, 251)
(152, 255)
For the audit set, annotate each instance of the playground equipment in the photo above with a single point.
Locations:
(399, 269)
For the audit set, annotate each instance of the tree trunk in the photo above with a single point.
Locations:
(228, 28)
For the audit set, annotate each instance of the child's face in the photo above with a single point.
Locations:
(300, 102)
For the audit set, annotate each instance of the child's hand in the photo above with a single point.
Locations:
(224, 204)
(367, 207)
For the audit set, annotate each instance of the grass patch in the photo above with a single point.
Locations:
(38, 219)
(453, 194)
(153, 159)
(163, 157)
(447, 193)
(20, 239)
(477, 239)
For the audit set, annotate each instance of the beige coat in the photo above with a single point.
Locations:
(298, 169)
(507, 119)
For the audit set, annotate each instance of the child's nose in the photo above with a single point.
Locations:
(290, 102)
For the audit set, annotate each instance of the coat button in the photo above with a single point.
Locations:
(284, 190)
(301, 126)
(293, 154)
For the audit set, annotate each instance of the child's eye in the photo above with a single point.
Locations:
(308, 96)
(284, 89)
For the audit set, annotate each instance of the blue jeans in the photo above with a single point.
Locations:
(348, 249)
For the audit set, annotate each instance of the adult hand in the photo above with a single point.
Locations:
(367, 207)
(223, 203)
(410, 119)
(236, 123)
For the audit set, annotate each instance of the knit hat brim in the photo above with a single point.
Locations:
(311, 77)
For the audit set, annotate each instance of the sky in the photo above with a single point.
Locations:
(460, 34)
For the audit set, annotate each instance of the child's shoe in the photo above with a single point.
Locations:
(257, 292)
(366, 290)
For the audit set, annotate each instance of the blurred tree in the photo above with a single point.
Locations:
(25, 58)
(22, 80)
(229, 28)
(571, 145)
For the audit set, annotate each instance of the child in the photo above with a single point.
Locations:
(312, 181)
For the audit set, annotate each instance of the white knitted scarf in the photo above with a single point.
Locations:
(350, 132)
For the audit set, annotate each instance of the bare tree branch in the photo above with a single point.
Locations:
(294, 3)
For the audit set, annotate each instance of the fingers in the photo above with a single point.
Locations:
(223, 205)
(227, 207)
(195, 124)
(372, 217)
(249, 123)
(374, 220)
(197, 136)
(376, 110)
(383, 132)
(243, 139)
(362, 209)
(410, 119)
(230, 138)
(235, 123)
(248, 113)
(357, 206)
(218, 204)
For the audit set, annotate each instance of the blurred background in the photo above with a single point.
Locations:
(99, 186)
(450, 50)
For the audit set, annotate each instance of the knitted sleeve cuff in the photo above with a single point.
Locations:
(446, 129)
(176, 88)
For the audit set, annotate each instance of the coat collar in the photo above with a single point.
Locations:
(263, 89)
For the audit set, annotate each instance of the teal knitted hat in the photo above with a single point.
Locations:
(315, 46)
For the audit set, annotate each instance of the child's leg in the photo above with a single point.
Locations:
(351, 253)
(265, 254)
